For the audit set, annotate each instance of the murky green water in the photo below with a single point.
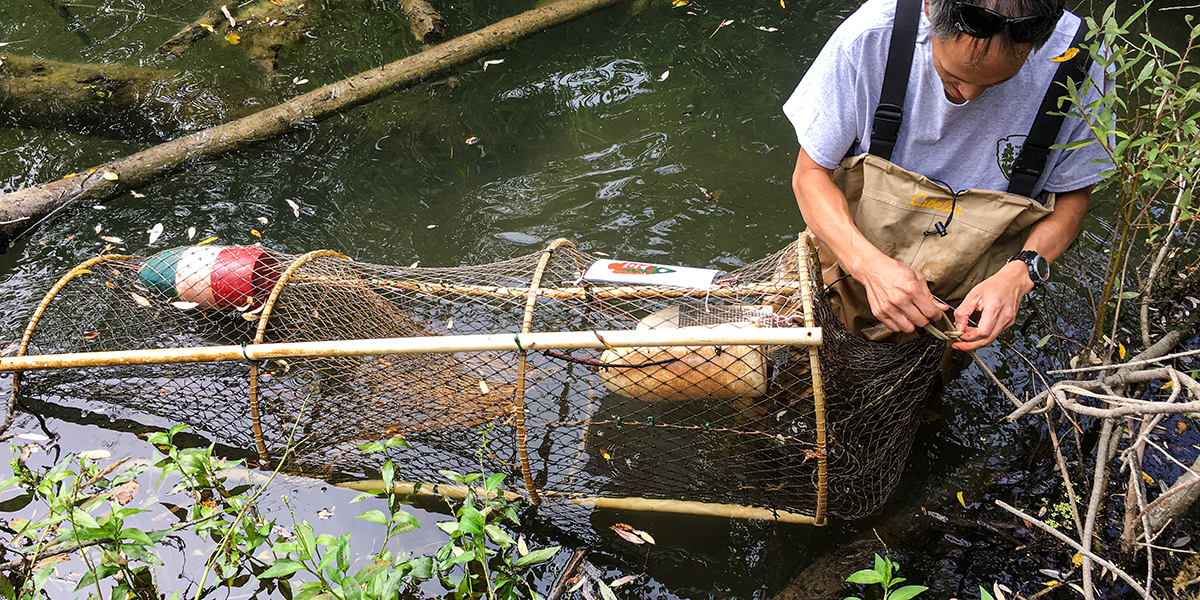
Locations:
(654, 135)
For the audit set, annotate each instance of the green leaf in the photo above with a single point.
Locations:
(493, 482)
(374, 516)
(372, 447)
(136, 535)
(281, 568)
(370, 571)
(498, 535)
(83, 519)
(984, 595)
(89, 578)
(351, 589)
(866, 576)
(1045, 338)
(422, 568)
(450, 527)
(470, 521)
(537, 556)
(906, 592)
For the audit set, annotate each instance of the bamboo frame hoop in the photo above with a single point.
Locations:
(81, 269)
(523, 366)
(804, 261)
(261, 330)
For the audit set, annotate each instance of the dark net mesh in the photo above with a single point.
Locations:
(740, 425)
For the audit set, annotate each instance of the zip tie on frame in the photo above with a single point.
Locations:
(517, 339)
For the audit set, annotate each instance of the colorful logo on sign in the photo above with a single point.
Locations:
(633, 268)
(924, 201)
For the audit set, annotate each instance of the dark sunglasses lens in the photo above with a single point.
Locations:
(977, 21)
(1032, 29)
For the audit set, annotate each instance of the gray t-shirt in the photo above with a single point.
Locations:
(967, 146)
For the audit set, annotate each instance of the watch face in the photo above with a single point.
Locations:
(1039, 264)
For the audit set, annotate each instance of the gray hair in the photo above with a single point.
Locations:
(941, 19)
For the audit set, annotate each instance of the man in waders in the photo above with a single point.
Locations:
(926, 170)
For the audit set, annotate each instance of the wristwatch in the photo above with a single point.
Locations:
(1039, 267)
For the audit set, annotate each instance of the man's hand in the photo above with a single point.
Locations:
(899, 296)
(996, 299)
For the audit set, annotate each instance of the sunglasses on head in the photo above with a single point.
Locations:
(980, 22)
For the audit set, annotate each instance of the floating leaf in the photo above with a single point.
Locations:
(1180, 427)
(605, 454)
(299, 80)
(522, 548)
(414, 265)
(112, 239)
(1068, 54)
(624, 580)
(136, 195)
(450, 325)
(255, 233)
(69, 238)
(961, 500)
(295, 208)
(665, 75)
(181, 305)
(483, 387)
(1121, 350)
(91, 335)
(70, 175)
(471, 141)
(1077, 560)
(208, 27)
(155, 232)
(430, 226)
(124, 493)
(233, 38)
(99, 228)
(109, 175)
(109, 284)
(628, 533)
(141, 300)
(1148, 479)
(95, 454)
(781, 4)
(262, 220)
(488, 63)
(645, 536)
(325, 513)
(191, 232)
(678, 3)
(766, 29)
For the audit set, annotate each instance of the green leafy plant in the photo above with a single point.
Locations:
(884, 575)
(1146, 117)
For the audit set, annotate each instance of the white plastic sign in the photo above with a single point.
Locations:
(624, 271)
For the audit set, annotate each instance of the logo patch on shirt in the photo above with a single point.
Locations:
(1007, 149)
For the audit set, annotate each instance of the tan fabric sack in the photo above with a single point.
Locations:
(894, 208)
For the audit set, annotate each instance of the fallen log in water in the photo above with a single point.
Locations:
(118, 101)
(23, 209)
(426, 24)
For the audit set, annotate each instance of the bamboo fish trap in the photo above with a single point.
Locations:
(606, 383)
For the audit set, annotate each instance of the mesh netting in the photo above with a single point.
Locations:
(736, 425)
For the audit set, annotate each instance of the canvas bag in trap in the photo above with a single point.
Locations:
(797, 433)
(955, 239)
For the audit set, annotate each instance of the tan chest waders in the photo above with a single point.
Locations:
(954, 239)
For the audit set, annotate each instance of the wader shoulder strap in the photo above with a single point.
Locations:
(886, 127)
(1031, 162)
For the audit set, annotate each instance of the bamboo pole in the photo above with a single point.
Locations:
(682, 507)
(550, 340)
(569, 293)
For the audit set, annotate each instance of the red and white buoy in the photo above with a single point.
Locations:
(217, 277)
